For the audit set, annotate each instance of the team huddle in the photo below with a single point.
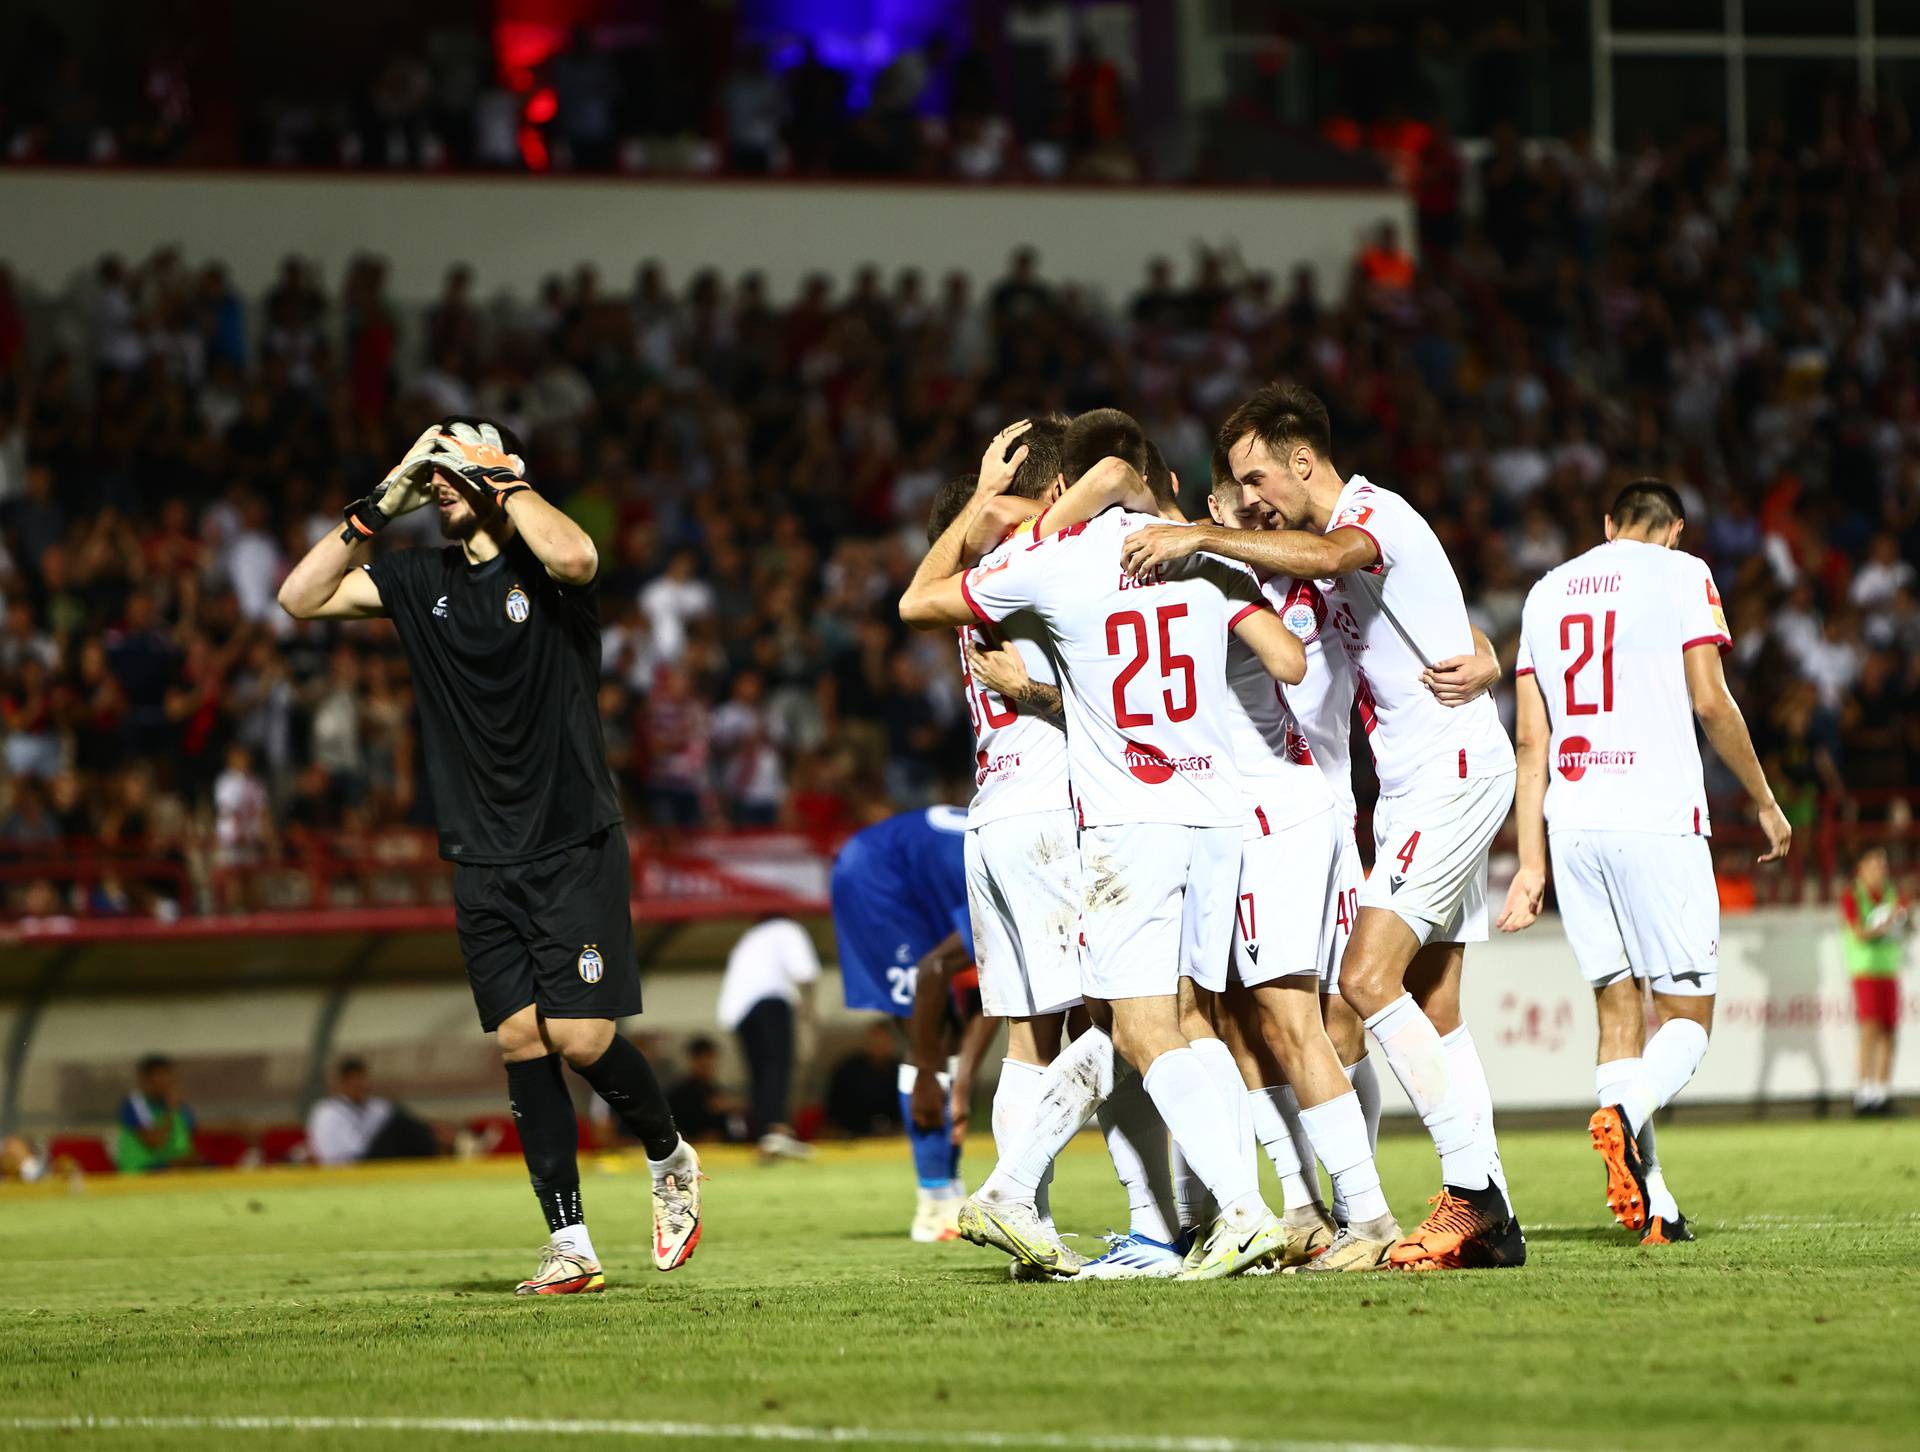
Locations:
(1160, 857)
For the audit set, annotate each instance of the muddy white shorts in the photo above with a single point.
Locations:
(1639, 903)
(1430, 845)
(1023, 890)
(1156, 904)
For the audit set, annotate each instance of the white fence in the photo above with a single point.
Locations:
(517, 230)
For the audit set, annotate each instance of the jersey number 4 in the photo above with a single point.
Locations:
(1134, 624)
(1583, 626)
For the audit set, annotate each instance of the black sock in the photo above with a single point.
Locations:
(623, 1077)
(549, 1137)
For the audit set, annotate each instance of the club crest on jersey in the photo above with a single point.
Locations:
(518, 609)
(592, 965)
(1304, 612)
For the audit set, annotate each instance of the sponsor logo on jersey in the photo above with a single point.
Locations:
(1298, 751)
(440, 608)
(987, 567)
(985, 766)
(1577, 757)
(1153, 766)
(1148, 763)
(518, 609)
(592, 965)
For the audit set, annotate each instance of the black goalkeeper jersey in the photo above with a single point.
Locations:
(506, 672)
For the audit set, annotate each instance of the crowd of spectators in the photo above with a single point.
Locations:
(692, 96)
(756, 474)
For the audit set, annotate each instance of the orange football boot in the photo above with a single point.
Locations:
(1626, 1173)
(1467, 1230)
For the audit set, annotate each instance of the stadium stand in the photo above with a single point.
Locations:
(755, 473)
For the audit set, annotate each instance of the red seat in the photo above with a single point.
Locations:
(88, 1152)
(279, 1143)
(221, 1147)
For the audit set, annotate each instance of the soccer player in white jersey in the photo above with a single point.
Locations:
(1446, 782)
(1159, 802)
(1023, 880)
(1619, 652)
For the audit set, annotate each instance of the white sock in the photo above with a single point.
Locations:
(680, 1162)
(1614, 1081)
(1271, 1124)
(1339, 1133)
(1668, 1062)
(1072, 1087)
(1014, 1102)
(1203, 1127)
(1470, 1084)
(1193, 1203)
(574, 1240)
(1660, 1199)
(1366, 1083)
(1231, 1086)
(1418, 1060)
(1137, 1144)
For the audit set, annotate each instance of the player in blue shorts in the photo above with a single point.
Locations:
(899, 892)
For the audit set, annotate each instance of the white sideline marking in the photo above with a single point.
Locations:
(701, 1431)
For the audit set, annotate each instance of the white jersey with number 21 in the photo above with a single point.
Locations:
(1605, 638)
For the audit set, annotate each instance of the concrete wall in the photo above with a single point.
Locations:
(1784, 1030)
(515, 230)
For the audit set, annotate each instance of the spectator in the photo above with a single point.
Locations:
(353, 1124)
(766, 1000)
(156, 1127)
(586, 91)
(1876, 925)
(702, 1109)
(863, 1096)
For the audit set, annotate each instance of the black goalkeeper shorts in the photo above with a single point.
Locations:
(556, 931)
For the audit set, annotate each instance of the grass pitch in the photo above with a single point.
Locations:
(298, 1310)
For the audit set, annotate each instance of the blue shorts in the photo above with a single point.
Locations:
(882, 935)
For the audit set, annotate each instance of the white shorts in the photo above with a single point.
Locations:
(1430, 845)
(1156, 906)
(1640, 903)
(1023, 890)
(1343, 906)
(1288, 880)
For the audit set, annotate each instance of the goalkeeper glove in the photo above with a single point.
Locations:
(478, 455)
(407, 487)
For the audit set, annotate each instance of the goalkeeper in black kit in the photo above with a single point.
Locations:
(502, 631)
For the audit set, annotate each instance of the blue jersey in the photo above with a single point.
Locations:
(899, 888)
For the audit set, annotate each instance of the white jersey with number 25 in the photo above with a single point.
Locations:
(1605, 636)
(1143, 668)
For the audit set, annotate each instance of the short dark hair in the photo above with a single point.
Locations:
(1160, 481)
(1281, 415)
(509, 440)
(701, 1045)
(1045, 442)
(152, 1064)
(1102, 433)
(1647, 503)
(1220, 474)
(948, 500)
(351, 1064)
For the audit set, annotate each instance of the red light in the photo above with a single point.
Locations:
(541, 106)
(533, 149)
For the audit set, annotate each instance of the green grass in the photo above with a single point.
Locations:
(1791, 1322)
